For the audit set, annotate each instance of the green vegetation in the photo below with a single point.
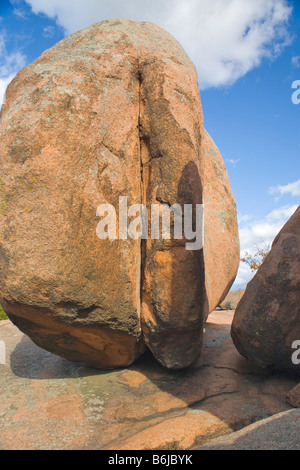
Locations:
(3, 316)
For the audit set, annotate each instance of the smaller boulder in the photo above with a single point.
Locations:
(266, 324)
(232, 299)
(293, 397)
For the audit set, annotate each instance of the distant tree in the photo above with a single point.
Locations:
(255, 261)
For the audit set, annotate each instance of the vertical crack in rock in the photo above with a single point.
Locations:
(140, 254)
(145, 170)
(143, 196)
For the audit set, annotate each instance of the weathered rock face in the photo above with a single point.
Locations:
(113, 110)
(267, 319)
(277, 432)
(221, 238)
(232, 299)
(166, 409)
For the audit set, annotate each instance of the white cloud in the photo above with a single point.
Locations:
(224, 38)
(49, 31)
(4, 82)
(244, 218)
(233, 161)
(244, 275)
(19, 13)
(10, 64)
(291, 188)
(296, 61)
(282, 213)
(259, 234)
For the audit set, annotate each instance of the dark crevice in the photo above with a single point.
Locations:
(142, 198)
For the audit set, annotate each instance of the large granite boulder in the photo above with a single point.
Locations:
(113, 110)
(266, 324)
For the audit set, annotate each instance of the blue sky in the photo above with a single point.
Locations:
(247, 54)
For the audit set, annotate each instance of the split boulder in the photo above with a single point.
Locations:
(113, 110)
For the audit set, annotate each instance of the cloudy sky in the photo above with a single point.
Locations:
(247, 54)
